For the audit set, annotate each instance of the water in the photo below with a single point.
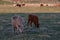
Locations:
(49, 27)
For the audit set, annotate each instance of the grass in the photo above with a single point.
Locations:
(5, 2)
(49, 26)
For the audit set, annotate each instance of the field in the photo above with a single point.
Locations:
(7, 7)
(11, 9)
(49, 27)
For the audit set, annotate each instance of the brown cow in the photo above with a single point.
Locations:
(41, 5)
(19, 5)
(17, 23)
(33, 19)
(23, 4)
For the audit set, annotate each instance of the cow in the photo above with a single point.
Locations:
(23, 4)
(41, 5)
(17, 23)
(19, 5)
(33, 19)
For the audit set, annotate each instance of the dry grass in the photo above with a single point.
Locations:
(11, 9)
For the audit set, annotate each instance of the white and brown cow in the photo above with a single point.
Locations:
(17, 23)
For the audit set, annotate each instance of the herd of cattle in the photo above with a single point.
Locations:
(18, 22)
(36, 5)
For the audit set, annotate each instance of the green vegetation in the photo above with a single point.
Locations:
(48, 30)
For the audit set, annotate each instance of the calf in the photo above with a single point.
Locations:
(33, 19)
(17, 23)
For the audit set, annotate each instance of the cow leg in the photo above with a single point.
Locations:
(27, 23)
(20, 28)
(30, 23)
(15, 28)
(36, 24)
